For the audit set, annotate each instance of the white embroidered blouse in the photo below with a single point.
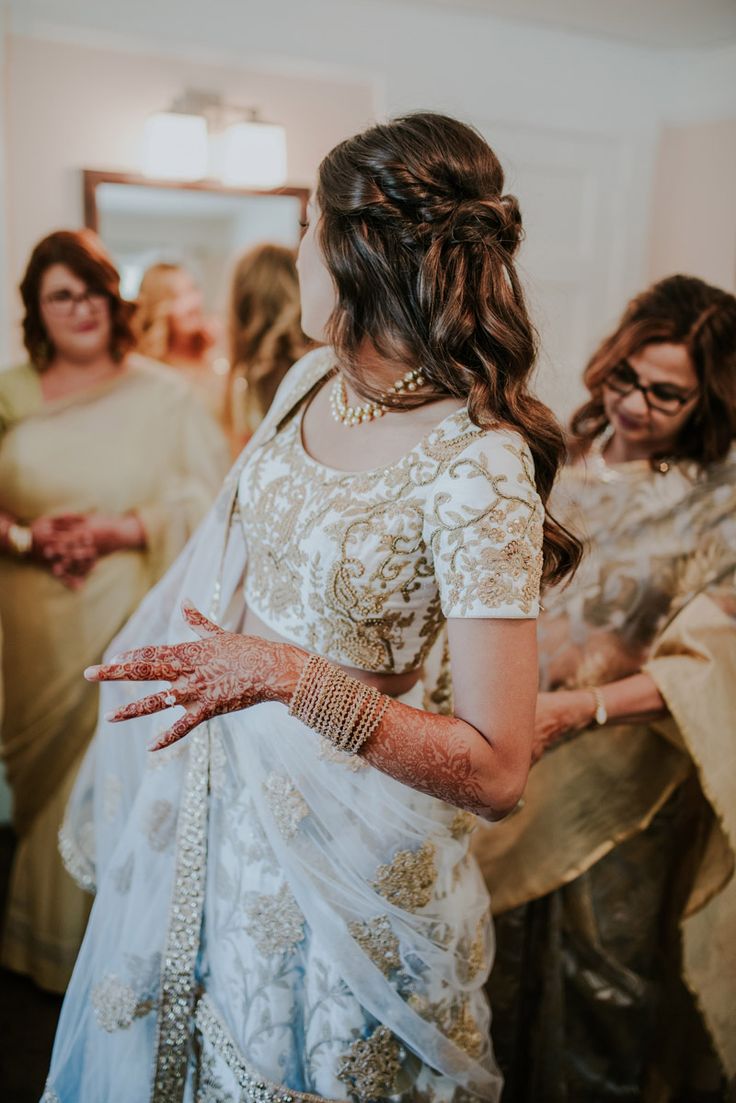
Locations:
(364, 568)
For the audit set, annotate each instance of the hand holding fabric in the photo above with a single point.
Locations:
(219, 673)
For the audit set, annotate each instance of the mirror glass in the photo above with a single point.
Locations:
(201, 228)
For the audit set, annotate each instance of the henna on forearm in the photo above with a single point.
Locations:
(224, 672)
(445, 757)
(442, 756)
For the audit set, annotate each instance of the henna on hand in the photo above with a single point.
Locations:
(558, 714)
(64, 546)
(224, 672)
(221, 672)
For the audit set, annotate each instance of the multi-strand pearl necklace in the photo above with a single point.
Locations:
(349, 415)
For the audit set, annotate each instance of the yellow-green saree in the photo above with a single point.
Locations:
(138, 442)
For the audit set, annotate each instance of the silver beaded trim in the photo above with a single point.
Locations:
(185, 920)
(253, 1088)
(79, 866)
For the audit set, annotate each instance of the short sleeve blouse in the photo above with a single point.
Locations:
(483, 525)
(365, 567)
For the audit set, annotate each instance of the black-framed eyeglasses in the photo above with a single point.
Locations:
(662, 397)
(64, 302)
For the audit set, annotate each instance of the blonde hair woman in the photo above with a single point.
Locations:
(266, 335)
(169, 325)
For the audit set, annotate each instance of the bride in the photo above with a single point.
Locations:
(285, 906)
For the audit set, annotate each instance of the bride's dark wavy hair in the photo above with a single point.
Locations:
(420, 241)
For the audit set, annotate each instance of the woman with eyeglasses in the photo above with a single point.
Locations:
(106, 465)
(616, 922)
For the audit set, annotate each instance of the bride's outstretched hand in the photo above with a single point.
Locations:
(218, 673)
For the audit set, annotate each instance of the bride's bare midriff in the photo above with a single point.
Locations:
(394, 685)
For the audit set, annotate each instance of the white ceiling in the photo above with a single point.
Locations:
(673, 24)
(663, 24)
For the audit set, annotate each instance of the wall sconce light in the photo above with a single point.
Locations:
(175, 146)
(250, 155)
(201, 136)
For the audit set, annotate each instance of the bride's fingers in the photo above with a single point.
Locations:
(198, 621)
(154, 671)
(174, 655)
(182, 727)
(155, 702)
(150, 653)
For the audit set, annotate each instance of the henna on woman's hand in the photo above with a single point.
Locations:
(219, 673)
(224, 672)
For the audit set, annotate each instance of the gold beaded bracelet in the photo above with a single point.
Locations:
(336, 706)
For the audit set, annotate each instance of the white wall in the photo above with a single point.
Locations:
(73, 107)
(325, 67)
(694, 217)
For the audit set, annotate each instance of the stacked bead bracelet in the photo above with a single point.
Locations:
(339, 707)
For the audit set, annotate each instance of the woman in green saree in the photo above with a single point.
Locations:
(106, 465)
(612, 885)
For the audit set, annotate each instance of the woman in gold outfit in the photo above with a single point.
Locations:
(106, 465)
(612, 884)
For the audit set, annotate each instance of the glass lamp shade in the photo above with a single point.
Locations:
(175, 146)
(250, 155)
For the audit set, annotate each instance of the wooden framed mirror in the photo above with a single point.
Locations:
(204, 226)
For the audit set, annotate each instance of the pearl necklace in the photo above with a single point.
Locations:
(358, 415)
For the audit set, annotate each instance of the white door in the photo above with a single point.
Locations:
(584, 203)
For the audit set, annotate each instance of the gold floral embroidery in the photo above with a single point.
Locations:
(408, 880)
(275, 922)
(378, 941)
(454, 1018)
(372, 1065)
(287, 805)
(351, 564)
(463, 823)
(471, 955)
(472, 544)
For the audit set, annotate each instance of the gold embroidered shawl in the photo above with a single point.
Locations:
(655, 592)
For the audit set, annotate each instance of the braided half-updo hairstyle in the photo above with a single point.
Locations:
(420, 239)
